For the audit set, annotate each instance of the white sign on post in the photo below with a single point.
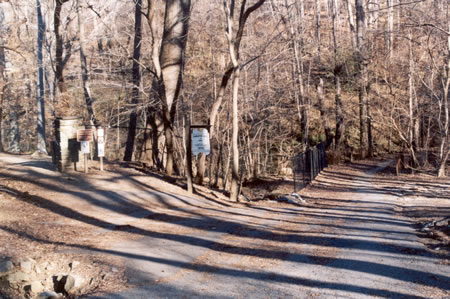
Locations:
(200, 142)
(101, 145)
(85, 149)
(101, 149)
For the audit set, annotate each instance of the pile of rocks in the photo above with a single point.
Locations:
(27, 278)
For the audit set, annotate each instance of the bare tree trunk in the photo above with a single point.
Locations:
(2, 100)
(233, 46)
(201, 169)
(3, 83)
(171, 59)
(337, 81)
(84, 72)
(229, 71)
(412, 137)
(229, 12)
(363, 75)
(352, 25)
(323, 115)
(235, 135)
(444, 148)
(59, 64)
(129, 149)
(14, 132)
(41, 138)
(390, 22)
(294, 21)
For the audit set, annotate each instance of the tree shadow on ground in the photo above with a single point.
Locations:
(225, 225)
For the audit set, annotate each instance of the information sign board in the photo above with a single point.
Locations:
(85, 149)
(200, 142)
(84, 135)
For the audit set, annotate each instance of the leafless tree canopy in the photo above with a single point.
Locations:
(271, 77)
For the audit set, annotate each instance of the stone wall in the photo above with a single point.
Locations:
(66, 149)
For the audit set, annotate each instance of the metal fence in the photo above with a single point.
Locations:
(307, 165)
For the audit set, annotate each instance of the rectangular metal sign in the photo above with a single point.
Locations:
(85, 149)
(200, 142)
(84, 135)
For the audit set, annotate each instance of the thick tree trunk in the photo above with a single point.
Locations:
(129, 149)
(59, 65)
(171, 59)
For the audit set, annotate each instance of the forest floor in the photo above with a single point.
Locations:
(137, 234)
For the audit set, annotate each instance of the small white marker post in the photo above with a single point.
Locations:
(101, 145)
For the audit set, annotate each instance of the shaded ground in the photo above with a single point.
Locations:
(352, 239)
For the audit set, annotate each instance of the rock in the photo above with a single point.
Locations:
(36, 287)
(48, 295)
(70, 283)
(17, 277)
(26, 266)
(114, 269)
(5, 267)
(38, 269)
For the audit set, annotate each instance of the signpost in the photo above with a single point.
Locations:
(84, 136)
(197, 142)
(101, 145)
(200, 142)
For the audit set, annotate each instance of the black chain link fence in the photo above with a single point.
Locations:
(307, 165)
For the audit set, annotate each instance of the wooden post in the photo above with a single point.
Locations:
(101, 163)
(86, 156)
(190, 186)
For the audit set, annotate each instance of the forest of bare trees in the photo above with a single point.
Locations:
(271, 77)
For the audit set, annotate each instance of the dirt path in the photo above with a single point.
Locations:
(347, 241)
(350, 245)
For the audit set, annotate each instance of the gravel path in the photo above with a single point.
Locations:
(348, 244)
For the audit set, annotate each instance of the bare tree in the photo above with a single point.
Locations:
(337, 70)
(41, 139)
(136, 73)
(233, 49)
(84, 71)
(362, 60)
(59, 65)
(169, 67)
